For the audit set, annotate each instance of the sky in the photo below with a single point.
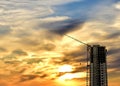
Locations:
(34, 50)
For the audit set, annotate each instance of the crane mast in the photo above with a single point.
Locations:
(96, 67)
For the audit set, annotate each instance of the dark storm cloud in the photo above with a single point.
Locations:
(4, 30)
(68, 27)
(63, 27)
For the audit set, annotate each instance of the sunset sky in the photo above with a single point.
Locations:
(35, 52)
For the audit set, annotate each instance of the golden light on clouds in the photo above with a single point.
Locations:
(70, 76)
(68, 83)
(65, 68)
(33, 46)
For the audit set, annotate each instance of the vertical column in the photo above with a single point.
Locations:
(98, 68)
(103, 66)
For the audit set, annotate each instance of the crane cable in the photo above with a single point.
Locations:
(88, 47)
(77, 40)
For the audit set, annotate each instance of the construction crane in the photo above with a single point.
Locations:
(96, 66)
(87, 59)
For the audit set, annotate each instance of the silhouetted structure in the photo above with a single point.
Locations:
(98, 67)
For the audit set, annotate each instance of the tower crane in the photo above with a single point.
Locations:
(96, 66)
(87, 59)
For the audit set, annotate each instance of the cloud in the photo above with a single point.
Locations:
(33, 60)
(14, 55)
(117, 5)
(35, 50)
(113, 51)
(28, 77)
(16, 11)
(19, 52)
(47, 47)
(66, 26)
(9, 57)
(2, 49)
(75, 53)
(55, 19)
(114, 64)
(113, 35)
(29, 41)
(4, 30)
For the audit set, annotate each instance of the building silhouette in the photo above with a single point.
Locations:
(98, 66)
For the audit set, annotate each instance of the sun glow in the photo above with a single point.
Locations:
(67, 77)
(70, 76)
(65, 68)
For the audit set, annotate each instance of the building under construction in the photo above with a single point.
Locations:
(97, 66)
